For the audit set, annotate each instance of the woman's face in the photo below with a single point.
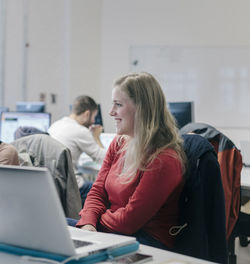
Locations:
(123, 111)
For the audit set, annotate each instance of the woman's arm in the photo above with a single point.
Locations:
(97, 200)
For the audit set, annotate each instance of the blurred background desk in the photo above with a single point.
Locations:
(245, 182)
(87, 166)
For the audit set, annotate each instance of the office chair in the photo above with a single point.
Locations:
(230, 160)
(41, 150)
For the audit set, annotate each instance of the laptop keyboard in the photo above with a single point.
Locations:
(80, 243)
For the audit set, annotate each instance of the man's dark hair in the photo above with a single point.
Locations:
(83, 103)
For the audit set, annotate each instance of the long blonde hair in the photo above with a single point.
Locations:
(154, 126)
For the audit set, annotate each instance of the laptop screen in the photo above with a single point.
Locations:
(10, 121)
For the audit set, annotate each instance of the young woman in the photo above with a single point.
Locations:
(138, 187)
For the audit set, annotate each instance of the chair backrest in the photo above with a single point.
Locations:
(24, 131)
(202, 205)
(230, 160)
(44, 151)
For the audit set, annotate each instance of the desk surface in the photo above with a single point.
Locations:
(245, 177)
(159, 256)
(245, 181)
(167, 257)
(86, 165)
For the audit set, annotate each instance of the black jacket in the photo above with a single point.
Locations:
(202, 204)
(230, 160)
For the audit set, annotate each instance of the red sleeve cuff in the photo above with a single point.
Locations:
(87, 220)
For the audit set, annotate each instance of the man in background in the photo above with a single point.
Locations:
(78, 132)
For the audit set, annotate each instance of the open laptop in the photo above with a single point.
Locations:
(32, 216)
(245, 151)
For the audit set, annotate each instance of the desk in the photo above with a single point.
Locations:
(159, 256)
(245, 182)
(89, 167)
(167, 257)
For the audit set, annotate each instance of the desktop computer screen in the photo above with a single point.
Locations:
(182, 111)
(4, 109)
(10, 121)
(35, 107)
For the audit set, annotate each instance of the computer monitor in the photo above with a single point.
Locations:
(35, 107)
(10, 121)
(182, 111)
(98, 119)
(4, 109)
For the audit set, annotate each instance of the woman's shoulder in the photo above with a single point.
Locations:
(118, 142)
(168, 152)
(165, 161)
(167, 155)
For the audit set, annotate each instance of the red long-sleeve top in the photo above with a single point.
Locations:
(149, 202)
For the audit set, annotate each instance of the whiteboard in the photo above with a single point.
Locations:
(217, 79)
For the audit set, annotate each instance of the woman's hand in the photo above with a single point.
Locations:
(89, 228)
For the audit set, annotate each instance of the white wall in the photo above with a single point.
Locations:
(63, 53)
(64, 50)
(166, 22)
(86, 48)
(47, 58)
(13, 53)
(81, 46)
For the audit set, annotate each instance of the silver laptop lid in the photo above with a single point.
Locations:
(30, 211)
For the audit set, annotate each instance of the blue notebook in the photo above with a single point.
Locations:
(93, 257)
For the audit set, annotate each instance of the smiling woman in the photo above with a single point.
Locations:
(123, 111)
(144, 158)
